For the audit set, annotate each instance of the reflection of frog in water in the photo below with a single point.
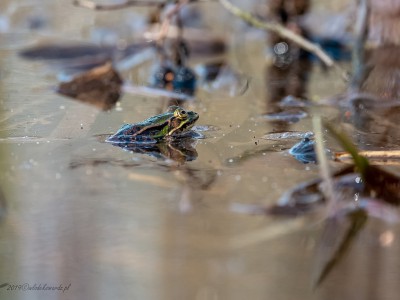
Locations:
(157, 136)
(179, 151)
(172, 123)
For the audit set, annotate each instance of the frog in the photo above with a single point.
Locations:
(304, 151)
(166, 126)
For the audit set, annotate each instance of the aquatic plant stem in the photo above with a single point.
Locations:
(360, 162)
(323, 165)
(358, 53)
(283, 32)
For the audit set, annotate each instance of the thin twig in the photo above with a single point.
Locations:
(283, 32)
(358, 54)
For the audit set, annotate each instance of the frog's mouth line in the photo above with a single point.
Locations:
(185, 125)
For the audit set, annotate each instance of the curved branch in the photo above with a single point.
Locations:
(281, 31)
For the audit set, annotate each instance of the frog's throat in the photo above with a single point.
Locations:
(176, 128)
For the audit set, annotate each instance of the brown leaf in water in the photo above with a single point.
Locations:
(100, 87)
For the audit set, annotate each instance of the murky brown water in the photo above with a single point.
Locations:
(125, 225)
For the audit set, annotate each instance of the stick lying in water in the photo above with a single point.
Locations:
(381, 157)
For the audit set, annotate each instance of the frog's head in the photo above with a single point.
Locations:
(181, 120)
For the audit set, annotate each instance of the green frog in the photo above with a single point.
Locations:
(174, 122)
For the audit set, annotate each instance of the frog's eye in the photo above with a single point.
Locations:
(180, 114)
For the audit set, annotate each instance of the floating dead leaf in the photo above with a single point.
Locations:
(69, 57)
(100, 87)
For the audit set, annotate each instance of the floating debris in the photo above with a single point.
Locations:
(287, 135)
(201, 128)
(100, 87)
(291, 101)
(83, 57)
(80, 56)
(289, 116)
(379, 183)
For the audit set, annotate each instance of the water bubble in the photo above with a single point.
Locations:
(281, 48)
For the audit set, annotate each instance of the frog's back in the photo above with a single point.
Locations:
(127, 134)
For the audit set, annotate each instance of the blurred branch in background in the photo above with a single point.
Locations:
(283, 32)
